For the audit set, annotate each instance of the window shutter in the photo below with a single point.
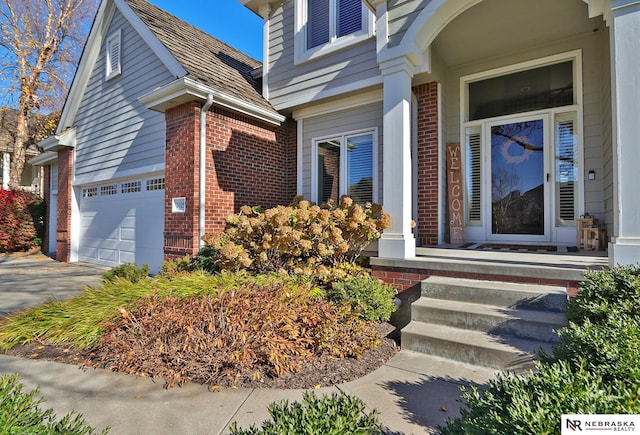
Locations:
(113, 55)
(565, 169)
(317, 22)
(349, 17)
(360, 168)
(474, 186)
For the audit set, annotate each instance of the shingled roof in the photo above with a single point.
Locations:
(205, 58)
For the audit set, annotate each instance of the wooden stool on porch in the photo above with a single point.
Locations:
(594, 239)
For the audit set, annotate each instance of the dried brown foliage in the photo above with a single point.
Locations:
(301, 239)
(264, 331)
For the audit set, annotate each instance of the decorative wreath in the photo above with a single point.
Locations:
(506, 145)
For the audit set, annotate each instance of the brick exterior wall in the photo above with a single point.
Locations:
(405, 279)
(63, 232)
(427, 140)
(247, 163)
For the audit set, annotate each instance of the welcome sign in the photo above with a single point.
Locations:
(455, 189)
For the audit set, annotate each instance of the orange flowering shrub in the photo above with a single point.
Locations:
(302, 238)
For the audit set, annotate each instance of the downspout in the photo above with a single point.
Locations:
(203, 167)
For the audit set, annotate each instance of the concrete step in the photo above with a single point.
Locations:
(472, 347)
(530, 324)
(502, 294)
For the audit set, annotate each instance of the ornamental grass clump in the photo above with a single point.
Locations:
(302, 238)
(266, 327)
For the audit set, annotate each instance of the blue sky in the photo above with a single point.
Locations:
(226, 20)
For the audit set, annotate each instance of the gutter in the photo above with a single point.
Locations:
(203, 167)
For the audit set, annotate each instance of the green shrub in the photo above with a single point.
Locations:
(372, 298)
(605, 294)
(18, 226)
(337, 414)
(22, 413)
(301, 239)
(205, 260)
(594, 369)
(610, 348)
(130, 272)
(533, 403)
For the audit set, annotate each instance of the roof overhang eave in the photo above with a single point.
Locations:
(184, 90)
(46, 158)
(66, 139)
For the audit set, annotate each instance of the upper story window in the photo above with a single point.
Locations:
(323, 26)
(113, 49)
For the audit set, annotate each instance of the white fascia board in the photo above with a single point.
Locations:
(46, 158)
(66, 139)
(92, 49)
(375, 96)
(255, 5)
(185, 89)
(87, 61)
(333, 92)
(151, 40)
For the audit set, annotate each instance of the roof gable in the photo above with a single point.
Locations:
(186, 51)
(206, 59)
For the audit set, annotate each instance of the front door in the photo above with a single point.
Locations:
(518, 174)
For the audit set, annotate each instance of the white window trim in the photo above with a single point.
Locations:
(302, 54)
(343, 161)
(577, 108)
(115, 37)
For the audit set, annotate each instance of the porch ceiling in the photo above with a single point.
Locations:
(494, 28)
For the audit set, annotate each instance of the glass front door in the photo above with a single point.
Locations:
(518, 175)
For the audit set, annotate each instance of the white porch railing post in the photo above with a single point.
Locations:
(624, 25)
(397, 241)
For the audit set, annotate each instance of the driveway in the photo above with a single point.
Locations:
(30, 280)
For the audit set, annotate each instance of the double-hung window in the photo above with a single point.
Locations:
(346, 166)
(328, 25)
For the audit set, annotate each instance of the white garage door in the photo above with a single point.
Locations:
(123, 223)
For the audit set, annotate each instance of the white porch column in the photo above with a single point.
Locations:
(397, 241)
(624, 24)
(6, 167)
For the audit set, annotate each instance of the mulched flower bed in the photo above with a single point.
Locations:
(320, 371)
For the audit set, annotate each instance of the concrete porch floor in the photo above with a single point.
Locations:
(559, 265)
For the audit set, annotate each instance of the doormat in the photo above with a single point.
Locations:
(531, 248)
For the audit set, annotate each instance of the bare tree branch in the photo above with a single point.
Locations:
(40, 43)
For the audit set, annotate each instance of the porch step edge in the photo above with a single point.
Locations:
(523, 323)
(498, 293)
(472, 347)
(485, 268)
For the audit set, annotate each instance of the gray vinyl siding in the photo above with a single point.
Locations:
(324, 75)
(594, 132)
(117, 134)
(337, 123)
(402, 14)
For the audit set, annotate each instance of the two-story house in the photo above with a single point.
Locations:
(534, 102)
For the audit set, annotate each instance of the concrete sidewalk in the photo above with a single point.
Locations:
(413, 392)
